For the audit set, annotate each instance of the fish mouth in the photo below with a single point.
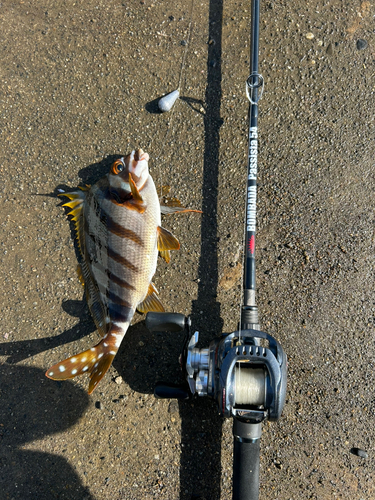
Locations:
(140, 155)
(137, 165)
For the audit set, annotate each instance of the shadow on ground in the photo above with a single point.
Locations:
(33, 407)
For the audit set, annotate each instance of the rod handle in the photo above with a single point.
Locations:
(246, 455)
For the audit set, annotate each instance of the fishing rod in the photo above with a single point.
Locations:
(244, 371)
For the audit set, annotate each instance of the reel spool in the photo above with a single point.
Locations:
(249, 386)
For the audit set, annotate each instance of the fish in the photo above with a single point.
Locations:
(119, 236)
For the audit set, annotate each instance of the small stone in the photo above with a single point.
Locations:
(183, 43)
(309, 36)
(118, 380)
(98, 405)
(173, 407)
(359, 452)
(329, 50)
(361, 44)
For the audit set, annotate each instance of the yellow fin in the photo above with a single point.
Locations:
(166, 255)
(77, 202)
(166, 240)
(76, 211)
(80, 274)
(73, 203)
(151, 302)
(134, 190)
(168, 210)
(136, 201)
(170, 205)
(71, 196)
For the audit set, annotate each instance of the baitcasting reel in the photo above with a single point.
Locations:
(244, 371)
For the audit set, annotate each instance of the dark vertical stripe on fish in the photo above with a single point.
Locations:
(121, 260)
(122, 232)
(115, 279)
(115, 299)
(118, 314)
(117, 196)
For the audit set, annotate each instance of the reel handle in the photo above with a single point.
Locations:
(164, 390)
(166, 322)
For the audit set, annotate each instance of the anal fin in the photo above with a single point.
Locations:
(166, 242)
(151, 302)
(166, 255)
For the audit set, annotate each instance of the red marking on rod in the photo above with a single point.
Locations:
(251, 244)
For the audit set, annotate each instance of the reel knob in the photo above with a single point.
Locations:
(171, 391)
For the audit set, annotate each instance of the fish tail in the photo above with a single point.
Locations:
(94, 361)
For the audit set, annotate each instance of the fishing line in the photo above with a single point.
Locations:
(169, 126)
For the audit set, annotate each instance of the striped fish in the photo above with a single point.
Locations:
(119, 235)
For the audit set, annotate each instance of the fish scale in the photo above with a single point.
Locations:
(119, 237)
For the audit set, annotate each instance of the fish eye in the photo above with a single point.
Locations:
(117, 167)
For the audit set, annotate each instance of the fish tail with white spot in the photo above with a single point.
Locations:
(94, 361)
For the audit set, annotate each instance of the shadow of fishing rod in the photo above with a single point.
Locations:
(201, 426)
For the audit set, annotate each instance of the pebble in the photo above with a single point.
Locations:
(309, 36)
(173, 407)
(118, 380)
(361, 44)
(359, 452)
(330, 49)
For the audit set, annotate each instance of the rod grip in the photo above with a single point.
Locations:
(246, 455)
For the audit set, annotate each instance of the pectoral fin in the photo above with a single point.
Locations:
(151, 302)
(170, 205)
(168, 210)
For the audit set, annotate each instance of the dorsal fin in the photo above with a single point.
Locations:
(76, 202)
